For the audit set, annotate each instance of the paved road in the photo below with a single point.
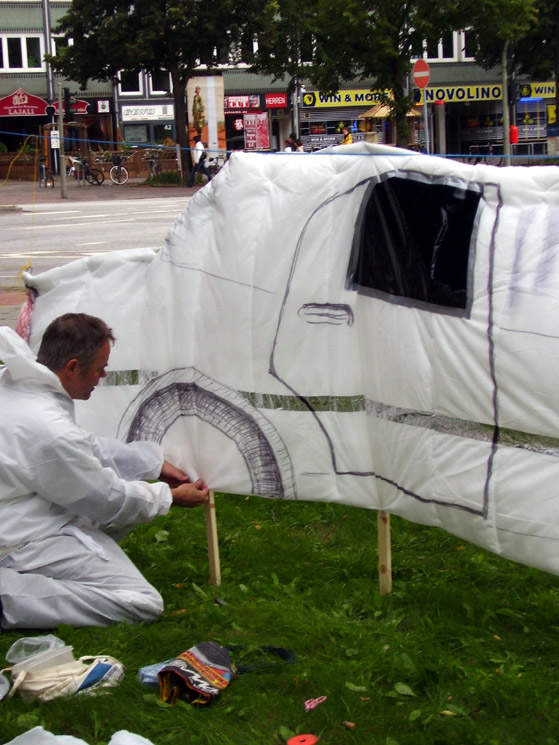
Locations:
(40, 229)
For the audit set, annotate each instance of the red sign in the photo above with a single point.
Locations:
(276, 100)
(256, 131)
(79, 106)
(421, 73)
(238, 103)
(21, 103)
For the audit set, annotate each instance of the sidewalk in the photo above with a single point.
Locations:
(14, 193)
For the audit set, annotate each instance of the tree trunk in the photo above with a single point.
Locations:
(181, 122)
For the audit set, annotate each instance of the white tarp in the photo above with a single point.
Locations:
(362, 325)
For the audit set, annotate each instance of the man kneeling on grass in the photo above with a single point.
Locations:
(64, 490)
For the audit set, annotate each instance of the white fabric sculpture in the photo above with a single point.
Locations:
(363, 325)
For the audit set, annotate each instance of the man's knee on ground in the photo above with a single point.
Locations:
(138, 606)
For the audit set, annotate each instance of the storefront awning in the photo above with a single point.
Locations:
(382, 111)
(20, 103)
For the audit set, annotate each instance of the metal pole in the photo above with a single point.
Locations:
(426, 123)
(506, 120)
(63, 191)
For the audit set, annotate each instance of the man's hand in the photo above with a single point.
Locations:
(190, 495)
(172, 475)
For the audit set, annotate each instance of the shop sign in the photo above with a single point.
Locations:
(147, 113)
(239, 103)
(79, 106)
(366, 97)
(537, 90)
(257, 136)
(21, 103)
(276, 100)
(460, 93)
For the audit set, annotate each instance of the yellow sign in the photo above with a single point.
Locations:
(551, 114)
(461, 93)
(343, 98)
(537, 90)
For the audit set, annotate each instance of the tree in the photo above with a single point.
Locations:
(542, 35)
(355, 40)
(173, 36)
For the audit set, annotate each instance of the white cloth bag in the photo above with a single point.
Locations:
(81, 676)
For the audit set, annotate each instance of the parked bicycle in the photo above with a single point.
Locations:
(46, 177)
(214, 165)
(79, 168)
(118, 173)
(484, 154)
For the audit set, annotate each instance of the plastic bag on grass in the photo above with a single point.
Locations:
(80, 676)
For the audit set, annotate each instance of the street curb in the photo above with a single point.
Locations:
(10, 208)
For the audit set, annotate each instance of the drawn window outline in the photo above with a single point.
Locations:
(414, 242)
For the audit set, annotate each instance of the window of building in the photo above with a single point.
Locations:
(60, 42)
(412, 242)
(21, 53)
(442, 49)
(468, 51)
(160, 82)
(130, 83)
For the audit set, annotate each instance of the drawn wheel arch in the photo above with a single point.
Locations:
(187, 392)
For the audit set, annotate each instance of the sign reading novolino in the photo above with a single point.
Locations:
(459, 93)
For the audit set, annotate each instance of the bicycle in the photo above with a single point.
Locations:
(93, 176)
(215, 165)
(484, 154)
(118, 173)
(46, 177)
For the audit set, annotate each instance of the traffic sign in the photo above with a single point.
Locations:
(421, 73)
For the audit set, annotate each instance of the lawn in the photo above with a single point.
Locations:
(464, 650)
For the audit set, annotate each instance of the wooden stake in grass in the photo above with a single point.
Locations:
(213, 545)
(384, 553)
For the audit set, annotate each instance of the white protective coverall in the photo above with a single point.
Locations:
(62, 489)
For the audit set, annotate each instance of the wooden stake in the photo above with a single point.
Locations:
(384, 553)
(213, 546)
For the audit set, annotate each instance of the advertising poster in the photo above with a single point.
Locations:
(206, 116)
(257, 136)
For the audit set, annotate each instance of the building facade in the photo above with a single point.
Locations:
(464, 102)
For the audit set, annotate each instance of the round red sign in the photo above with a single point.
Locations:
(421, 73)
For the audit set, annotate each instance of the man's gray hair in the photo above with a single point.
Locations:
(73, 336)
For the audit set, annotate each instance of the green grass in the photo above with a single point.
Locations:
(463, 652)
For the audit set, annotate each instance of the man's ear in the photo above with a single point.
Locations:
(71, 368)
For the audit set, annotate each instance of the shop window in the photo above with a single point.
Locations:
(160, 82)
(130, 83)
(137, 133)
(21, 53)
(162, 134)
(412, 242)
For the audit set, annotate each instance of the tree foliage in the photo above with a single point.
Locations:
(543, 36)
(356, 40)
(172, 36)
(495, 23)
